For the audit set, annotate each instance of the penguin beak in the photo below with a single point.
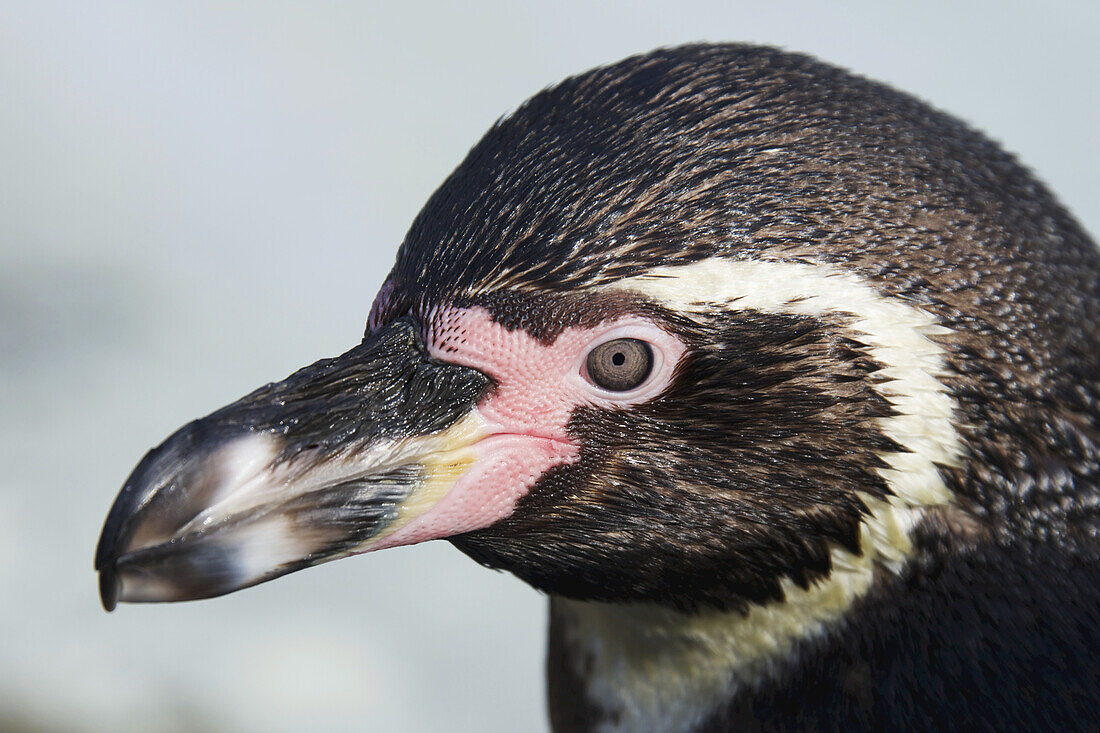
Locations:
(324, 464)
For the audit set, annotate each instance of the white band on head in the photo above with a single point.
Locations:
(663, 670)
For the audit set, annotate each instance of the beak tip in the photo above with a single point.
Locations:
(108, 587)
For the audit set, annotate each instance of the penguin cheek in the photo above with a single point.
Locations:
(522, 422)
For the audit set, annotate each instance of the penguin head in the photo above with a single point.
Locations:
(687, 330)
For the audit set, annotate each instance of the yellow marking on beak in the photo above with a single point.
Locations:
(451, 455)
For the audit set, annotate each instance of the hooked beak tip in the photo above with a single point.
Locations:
(109, 587)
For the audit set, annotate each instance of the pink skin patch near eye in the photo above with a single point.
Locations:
(538, 386)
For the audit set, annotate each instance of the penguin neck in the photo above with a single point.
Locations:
(643, 667)
(647, 667)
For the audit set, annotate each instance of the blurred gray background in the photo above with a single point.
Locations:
(196, 198)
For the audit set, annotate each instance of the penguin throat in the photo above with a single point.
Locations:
(648, 667)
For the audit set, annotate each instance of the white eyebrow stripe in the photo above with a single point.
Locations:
(897, 334)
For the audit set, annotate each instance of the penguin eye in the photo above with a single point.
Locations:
(620, 365)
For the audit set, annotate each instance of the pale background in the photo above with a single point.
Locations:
(196, 198)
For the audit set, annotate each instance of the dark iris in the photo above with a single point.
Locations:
(620, 365)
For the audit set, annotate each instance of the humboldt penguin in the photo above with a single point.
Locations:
(780, 383)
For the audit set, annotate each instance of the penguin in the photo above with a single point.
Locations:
(782, 385)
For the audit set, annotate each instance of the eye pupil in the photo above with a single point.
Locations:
(620, 365)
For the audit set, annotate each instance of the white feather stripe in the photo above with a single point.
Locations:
(667, 671)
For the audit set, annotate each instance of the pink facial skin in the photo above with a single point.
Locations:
(538, 388)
